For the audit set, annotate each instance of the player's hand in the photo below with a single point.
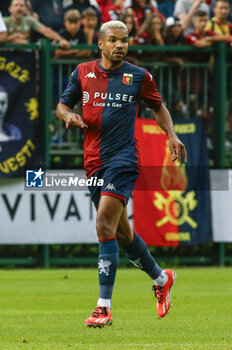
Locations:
(177, 148)
(73, 121)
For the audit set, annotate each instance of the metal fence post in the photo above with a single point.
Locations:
(219, 104)
(44, 255)
(45, 108)
(45, 95)
(220, 247)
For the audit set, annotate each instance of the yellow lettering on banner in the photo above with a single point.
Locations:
(152, 129)
(2, 63)
(12, 164)
(9, 67)
(25, 76)
(21, 159)
(181, 236)
(4, 167)
(185, 128)
(14, 70)
(31, 144)
(26, 150)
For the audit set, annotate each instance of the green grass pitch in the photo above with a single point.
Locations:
(46, 309)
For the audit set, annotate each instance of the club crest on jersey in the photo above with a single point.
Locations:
(127, 78)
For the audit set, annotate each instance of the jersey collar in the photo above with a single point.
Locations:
(111, 71)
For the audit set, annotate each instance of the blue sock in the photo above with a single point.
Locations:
(107, 266)
(140, 256)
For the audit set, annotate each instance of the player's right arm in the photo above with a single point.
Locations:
(68, 100)
(72, 120)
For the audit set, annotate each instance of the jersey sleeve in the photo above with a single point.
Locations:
(72, 94)
(149, 92)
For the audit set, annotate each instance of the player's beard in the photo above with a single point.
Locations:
(115, 60)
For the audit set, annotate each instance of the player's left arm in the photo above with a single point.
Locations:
(176, 147)
(153, 100)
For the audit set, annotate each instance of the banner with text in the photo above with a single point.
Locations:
(19, 125)
(46, 217)
(171, 201)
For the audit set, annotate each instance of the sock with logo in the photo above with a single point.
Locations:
(140, 256)
(107, 267)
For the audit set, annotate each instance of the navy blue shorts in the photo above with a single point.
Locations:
(119, 182)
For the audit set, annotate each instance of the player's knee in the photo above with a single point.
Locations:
(105, 229)
(124, 238)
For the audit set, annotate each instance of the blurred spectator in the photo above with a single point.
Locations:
(20, 26)
(89, 21)
(74, 34)
(186, 9)
(152, 30)
(141, 10)
(81, 5)
(50, 12)
(151, 33)
(200, 37)
(219, 23)
(3, 30)
(105, 6)
(174, 35)
(133, 38)
(29, 10)
(129, 22)
(166, 7)
(212, 9)
(117, 9)
(173, 32)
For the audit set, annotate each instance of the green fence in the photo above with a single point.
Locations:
(203, 88)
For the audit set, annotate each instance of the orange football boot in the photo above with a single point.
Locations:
(163, 294)
(100, 317)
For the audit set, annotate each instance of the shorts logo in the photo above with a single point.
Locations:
(127, 78)
(85, 97)
(34, 178)
(110, 187)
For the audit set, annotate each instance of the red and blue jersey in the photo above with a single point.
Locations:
(110, 100)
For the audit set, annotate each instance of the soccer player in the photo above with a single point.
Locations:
(110, 89)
